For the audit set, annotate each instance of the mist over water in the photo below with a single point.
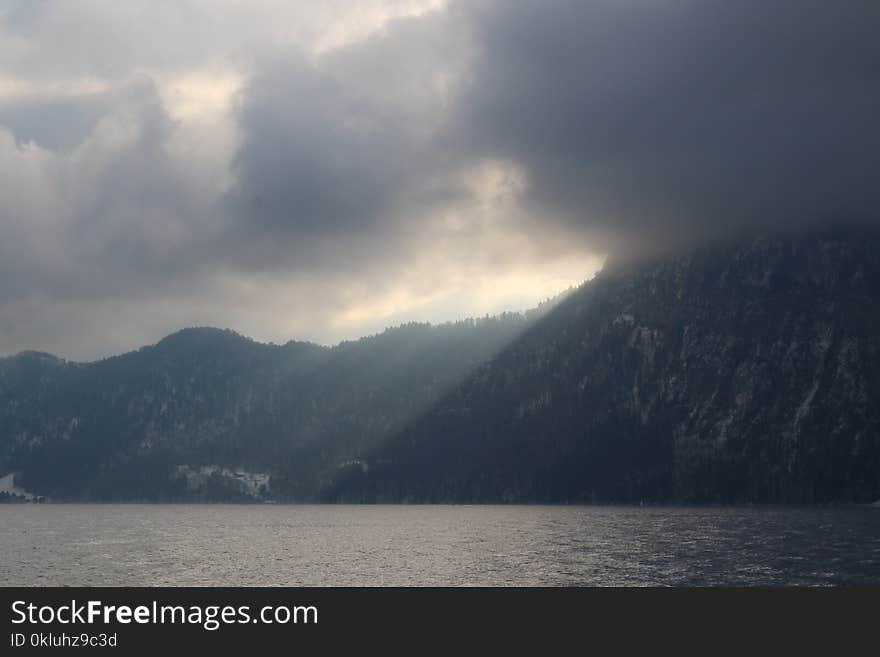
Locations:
(219, 545)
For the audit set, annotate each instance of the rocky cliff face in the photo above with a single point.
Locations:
(744, 373)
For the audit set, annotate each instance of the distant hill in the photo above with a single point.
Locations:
(736, 373)
(205, 412)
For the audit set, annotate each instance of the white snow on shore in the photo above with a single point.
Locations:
(7, 485)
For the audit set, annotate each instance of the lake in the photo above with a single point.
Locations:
(292, 545)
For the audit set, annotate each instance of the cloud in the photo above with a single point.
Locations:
(343, 148)
(321, 170)
(54, 124)
(117, 203)
(646, 121)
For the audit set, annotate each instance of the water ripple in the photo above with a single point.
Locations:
(216, 545)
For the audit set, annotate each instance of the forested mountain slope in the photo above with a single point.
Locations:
(739, 372)
(209, 414)
(736, 373)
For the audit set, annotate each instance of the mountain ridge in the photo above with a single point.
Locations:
(708, 377)
(118, 428)
(733, 373)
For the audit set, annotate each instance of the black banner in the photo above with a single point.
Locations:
(125, 620)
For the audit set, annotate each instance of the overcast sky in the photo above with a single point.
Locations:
(320, 170)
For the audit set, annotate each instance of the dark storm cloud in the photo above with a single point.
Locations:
(661, 118)
(345, 148)
(415, 161)
(54, 123)
(111, 218)
(315, 157)
(637, 123)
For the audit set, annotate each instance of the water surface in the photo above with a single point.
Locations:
(268, 545)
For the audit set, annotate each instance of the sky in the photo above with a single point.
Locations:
(319, 171)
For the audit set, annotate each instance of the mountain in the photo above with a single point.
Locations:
(733, 374)
(209, 414)
(743, 372)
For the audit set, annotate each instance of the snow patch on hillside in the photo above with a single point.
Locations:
(7, 485)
